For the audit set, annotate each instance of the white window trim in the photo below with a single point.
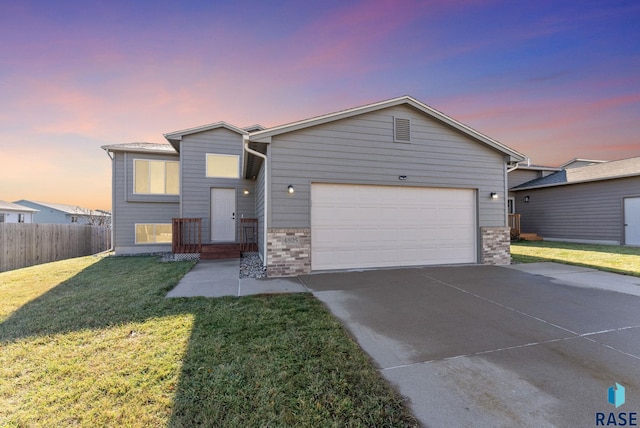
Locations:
(135, 234)
(165, 177)
(206, 166)
(513, 205)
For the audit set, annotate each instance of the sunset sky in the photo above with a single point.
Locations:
(552, 79)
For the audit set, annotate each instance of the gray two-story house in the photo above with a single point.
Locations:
(394, 183)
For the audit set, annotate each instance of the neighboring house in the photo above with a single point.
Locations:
(577, 162)
(394, 183)
(66, 214)
(14, 213)
(597, 203)
(522, 174)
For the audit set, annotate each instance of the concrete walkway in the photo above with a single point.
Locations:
(219, 278)
(583, 277)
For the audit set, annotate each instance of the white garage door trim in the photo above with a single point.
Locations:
(632, 221)
(365, 226)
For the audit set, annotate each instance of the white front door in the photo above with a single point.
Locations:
(632, 221)
(223, 215)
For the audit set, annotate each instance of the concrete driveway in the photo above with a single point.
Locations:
(495, 346)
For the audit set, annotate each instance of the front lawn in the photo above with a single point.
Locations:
(612, 258)
(93, 342)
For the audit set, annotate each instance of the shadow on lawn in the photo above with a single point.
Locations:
(113, 291)
(267, 360)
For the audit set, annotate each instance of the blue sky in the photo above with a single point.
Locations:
(552, 79)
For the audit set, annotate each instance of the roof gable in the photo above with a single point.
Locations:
(174, 138)
(10, 206)
(266, 135)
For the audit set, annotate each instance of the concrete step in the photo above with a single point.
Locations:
(220, 251)
(530, 237)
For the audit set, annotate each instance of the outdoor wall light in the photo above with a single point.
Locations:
(494, 195)
(526, 199)
(291, 190)
(245, 191)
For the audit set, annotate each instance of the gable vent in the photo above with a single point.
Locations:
(402, 130)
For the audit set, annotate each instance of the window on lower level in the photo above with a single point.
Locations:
(74, 219)
(20, 218)
(1, 217)
(153, 233)
(156, 177)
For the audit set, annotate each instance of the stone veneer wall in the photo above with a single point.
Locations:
(496, 245)
(288, 252)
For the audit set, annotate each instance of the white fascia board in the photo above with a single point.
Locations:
(540, 168)
(514, 155)
(139, 150)
(265, 136)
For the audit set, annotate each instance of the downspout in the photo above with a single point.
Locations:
(113, 200)
(266, 193)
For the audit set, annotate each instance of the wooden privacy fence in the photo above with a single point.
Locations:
(27, 244)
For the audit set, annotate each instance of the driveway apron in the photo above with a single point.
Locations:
(487, 346)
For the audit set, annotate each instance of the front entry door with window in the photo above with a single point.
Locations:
(223, 215)
(632, 221)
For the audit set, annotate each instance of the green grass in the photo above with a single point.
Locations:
(612, 258)
(93, 342)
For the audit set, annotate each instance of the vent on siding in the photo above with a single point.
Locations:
(402, 130)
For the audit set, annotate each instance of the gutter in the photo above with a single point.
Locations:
(516, 166)
(245, 139)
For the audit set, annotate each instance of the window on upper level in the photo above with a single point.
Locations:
(156, 177)
(223, 166)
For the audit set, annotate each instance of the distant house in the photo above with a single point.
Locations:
(598, 202)
(394, 183)
(53, 213)
(14, 213)
(524, 173)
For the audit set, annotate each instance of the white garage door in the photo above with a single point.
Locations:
(359, 226)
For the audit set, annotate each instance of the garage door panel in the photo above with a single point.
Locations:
(357, 226)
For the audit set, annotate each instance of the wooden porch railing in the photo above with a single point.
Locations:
(514, 224)
(187, 235)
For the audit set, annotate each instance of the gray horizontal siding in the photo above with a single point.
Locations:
(520, 176)
(361, 150)
(196, 186)
(127, 213)
(586, 211)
